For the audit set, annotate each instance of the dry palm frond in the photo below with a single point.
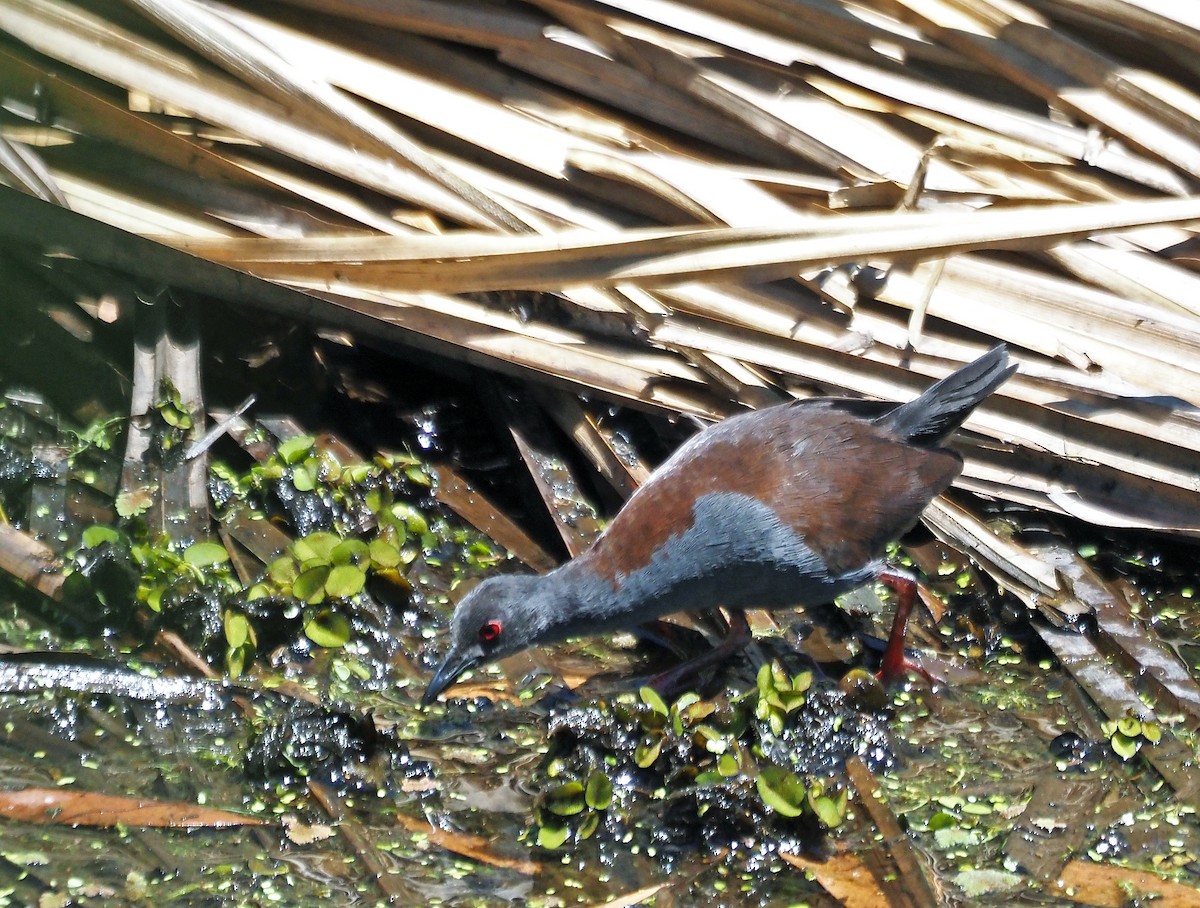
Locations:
(704, 179)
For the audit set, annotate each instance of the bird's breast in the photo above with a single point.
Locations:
(735, 552)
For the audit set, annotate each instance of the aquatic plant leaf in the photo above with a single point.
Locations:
(303, 478)
(327, 628)
(237, 629)
(830, 810)
(98, 535)
(316, 546)
(344, 581)
(552, 837)
(133, 502)
(408, 516)
(205, 554)
(765, 680)
(942, 820)
(310, 585)
(237, 658)
(1129, 726)
(384, 554)
(296, 448)
(695, 712)
(1124, 746)
(782, 791)
(599, 792)
(647, 752)
(350, 551)
(589, 826)
(283, 570)
(652, 699)
(566, 800)
(358, 473)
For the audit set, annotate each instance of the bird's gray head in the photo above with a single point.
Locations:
(493, 621)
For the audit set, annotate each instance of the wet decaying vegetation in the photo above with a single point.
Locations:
(316, 314)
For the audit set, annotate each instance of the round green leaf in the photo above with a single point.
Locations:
(384, 555)
(599, 791)
(1124, 746)
(98, 535)
(350, 551)
(237, 629)
(1152, 732)
(654, 700)
(303, 478)
(296, 448)
(942, 820)
(344, 581)
(283, 571)
(782, 791)
(310, 585)
(205, 554)
(154, 598)
(316, 547)
(792, 700)
(552, 837)
(327, 628)
(175, 418)
(375, 500)
(647, 752)
(830, 810)
(410, 517)
(1129, 726)
(589, 825)
(418, 475)
(566, 800)
(357, 473)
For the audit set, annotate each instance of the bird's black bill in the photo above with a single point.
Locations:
(447, 673)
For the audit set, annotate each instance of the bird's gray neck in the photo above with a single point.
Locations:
(573, 601)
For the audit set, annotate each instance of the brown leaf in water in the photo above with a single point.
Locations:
(87, 808)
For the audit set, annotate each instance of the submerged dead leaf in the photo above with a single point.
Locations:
(469, 846)
(86, 808)
(843, 876)
(1088, 883)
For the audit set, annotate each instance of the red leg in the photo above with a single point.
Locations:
(895, 662)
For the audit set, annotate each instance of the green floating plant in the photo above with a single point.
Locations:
(1128, 734)
(572, 810)
(699, 757)
(322, 571)
(779, 695)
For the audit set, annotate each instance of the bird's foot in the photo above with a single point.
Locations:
(895, 668)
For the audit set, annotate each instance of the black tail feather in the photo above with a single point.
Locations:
(944, 405)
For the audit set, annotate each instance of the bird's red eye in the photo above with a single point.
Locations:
(489, 632)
